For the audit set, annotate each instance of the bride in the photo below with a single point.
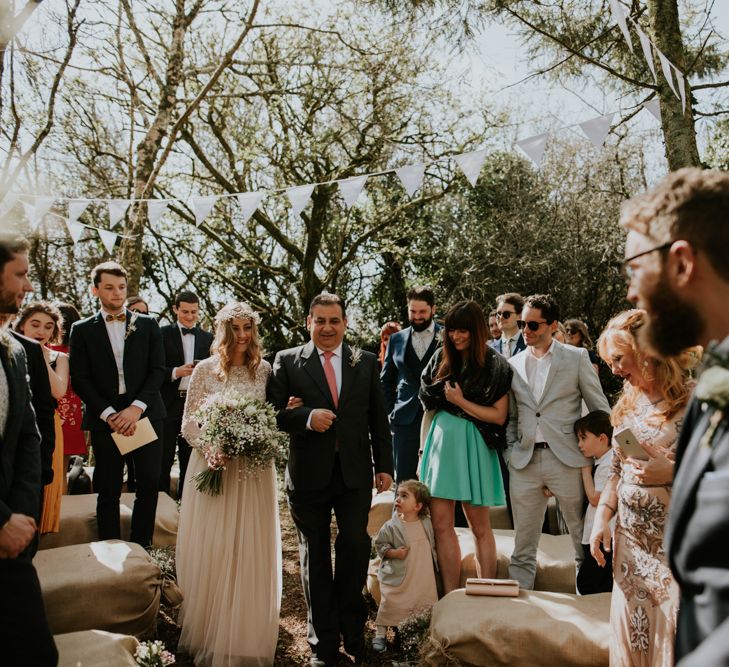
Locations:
(229, 546)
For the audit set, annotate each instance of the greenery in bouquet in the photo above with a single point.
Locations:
(233, 425)
(153, 654)
(413, 633)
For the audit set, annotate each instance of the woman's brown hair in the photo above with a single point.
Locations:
(468, 316)
(224, 341)
(47, 309)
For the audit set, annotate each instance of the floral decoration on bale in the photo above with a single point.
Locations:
(153, 654)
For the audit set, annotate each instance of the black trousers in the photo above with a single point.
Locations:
(333, 598)
(592, 578)
(25, 637)
(172, 440)
(108, 476)
(405, 447)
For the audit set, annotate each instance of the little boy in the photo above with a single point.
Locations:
(594, 434)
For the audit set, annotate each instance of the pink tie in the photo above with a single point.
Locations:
(331, 377)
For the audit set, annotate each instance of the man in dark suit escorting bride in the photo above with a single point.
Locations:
(339, 440)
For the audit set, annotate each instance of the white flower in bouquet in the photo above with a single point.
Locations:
(153, 654)
(713, 387)
(236, 426)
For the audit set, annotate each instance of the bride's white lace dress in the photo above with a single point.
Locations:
(228, 546)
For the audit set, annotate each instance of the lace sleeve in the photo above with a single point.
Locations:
(198, 390)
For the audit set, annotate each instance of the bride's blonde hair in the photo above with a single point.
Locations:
(224, 341)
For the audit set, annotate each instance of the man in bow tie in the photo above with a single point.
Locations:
(117, 368)
(185, 344)
(677, 268)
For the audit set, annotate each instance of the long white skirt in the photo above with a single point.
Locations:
(229, 568)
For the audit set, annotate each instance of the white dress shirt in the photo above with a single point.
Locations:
(421, 340)
(188, 351)
(116, 331)
(537, 370)
(336, 361)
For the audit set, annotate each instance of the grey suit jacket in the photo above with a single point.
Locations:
(571, 379)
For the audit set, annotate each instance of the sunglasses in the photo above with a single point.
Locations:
(505, 314)
(532, 326)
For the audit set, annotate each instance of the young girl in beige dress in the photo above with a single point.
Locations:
(406, 546)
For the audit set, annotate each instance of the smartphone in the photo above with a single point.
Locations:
(630, 445)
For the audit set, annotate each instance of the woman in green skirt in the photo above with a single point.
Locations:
(467, 383)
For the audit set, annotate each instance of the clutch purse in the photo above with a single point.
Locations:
(496, 587)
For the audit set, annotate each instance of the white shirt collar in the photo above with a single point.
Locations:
(104, 313)
(337, 351)
(429, 331)
(604, 457)
(548, 353)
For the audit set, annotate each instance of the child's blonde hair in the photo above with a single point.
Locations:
(421, 493)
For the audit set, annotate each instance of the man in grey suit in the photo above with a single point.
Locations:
(678, 236)
(549, 384)
(340, 443)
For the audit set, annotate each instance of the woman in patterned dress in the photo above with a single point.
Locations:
(645, 595)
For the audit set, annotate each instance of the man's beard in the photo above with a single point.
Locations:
(421, 326)
(8, 303)
(673, 325)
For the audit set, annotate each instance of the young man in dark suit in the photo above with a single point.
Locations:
(25, 636)
(508, 313)
(185, 344)
(676, 249)
(408, 353)
(340, 441)
(117, 368)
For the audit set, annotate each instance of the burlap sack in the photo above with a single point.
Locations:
(537, 628)
(110, 585)
(96, 648)
(555, 559)
(380, 511)
(78, 521)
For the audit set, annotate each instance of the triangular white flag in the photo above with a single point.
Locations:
(597, 129)
(108, 239)
(471, 163)
(534, 147)
(645, 44)
(75, 230)
(202, 207)
(249, 203)
(117, 210)
(41, 207)
(76, 207)
(681, 87)
(9, 201)
(155, 209)
(654, 106)
(299, 196)
(351, 188)
(666, 66)
(411, 177)
(619, 16)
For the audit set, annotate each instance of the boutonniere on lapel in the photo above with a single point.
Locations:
(713, 389)
(131, 328)
(439, 337)
(356, 356)
(4, 342)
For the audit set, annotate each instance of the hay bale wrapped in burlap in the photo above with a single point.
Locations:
(555, 559)
(111, 585)
(78, 521)
(380, 511)
(536, 628)
(96, 648)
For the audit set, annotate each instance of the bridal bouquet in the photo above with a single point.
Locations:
(236, 426)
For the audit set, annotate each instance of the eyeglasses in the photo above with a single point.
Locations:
(628, 271)
(505, 314)
(532, 325)
(571, 332)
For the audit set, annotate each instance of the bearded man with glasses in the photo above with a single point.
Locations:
(550, 382)
(677, 268)
(508, 312)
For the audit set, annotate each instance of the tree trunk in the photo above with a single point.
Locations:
(678, 126)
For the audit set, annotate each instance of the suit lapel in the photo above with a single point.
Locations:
(200, 351)
(433, 343)
(312, 365)
(347, 373)
(178, 342)
(103, 335)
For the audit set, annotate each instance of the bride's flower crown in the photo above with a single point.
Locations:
(240, 310)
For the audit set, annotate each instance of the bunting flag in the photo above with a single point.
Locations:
(411, 176)
(299, 196)
(597, 129)
(117, 210)
(534, 147)
(36, 211)
(645, 44)
(75, 230)
(76, 207)
(249, 203)
(470, 164)
(619, 16)
(351, 188)
(681, 87)
(654, 106)
(108, 239)
(202, 207)
(155, 209)
(9, 201)
(666, 67)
